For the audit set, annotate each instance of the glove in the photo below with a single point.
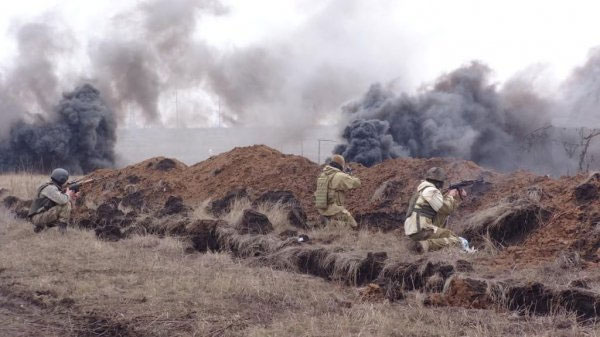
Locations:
(348, 170)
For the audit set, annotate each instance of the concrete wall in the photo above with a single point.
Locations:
(196, 144)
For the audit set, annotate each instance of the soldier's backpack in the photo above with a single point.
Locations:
(40, 204)
(321, 194)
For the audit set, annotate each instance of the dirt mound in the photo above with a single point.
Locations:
(173, 205)
(257, 169)
(18, 206)
(589, 189)
(251, 171)
(507, 223)
(266, 175)
(295, 214)
(534, 217)
(223, 205)
(109, 233)
(253, 222)
(203, 234)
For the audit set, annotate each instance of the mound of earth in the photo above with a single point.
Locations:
(563, 215)
(529, 219)
(146, 186)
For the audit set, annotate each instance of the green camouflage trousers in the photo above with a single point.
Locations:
(58, 213)
(439, 239)
(343, 218)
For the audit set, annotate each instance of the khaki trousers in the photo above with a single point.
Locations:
(439, 239)
(58, 213)
(343, 218)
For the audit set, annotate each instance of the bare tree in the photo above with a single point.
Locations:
(570, 148)
(536, 137)
(586, 138)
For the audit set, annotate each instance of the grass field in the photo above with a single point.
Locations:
(76, 285)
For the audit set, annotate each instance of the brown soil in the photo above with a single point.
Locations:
(164, 187)
(563, 215)
(541, 217)
(380, 202)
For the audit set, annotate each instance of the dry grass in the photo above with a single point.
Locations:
(201, 211)
(566, 269)
(75, 285)
(412, 319)
(247, 245)
(391, 242)
(150, 287)
(490, 247)
(22, 185)
(152, 284)
(277, 214)
(237, 210)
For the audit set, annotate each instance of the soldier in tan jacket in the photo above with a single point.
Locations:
(51, 206)
(427, 214)
(332, 185)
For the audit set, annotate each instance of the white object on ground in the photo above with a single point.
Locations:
(465, 245)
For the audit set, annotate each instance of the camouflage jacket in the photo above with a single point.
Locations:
(430, 197)
(339, 185)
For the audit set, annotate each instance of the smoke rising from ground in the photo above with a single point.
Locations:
(293, 81)
(370, 142)
(465, 115)
(79, 137)
(581, 92)
(31, 85)
(158, 55)
(152, 51)
(38, 134)
(288, 81)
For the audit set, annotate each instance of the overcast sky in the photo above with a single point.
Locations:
(412, 40)
(508, 35)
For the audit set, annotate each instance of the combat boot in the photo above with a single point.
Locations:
(38, 228)
(414, 246)
(62, 227)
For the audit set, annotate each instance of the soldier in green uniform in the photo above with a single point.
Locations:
(332, 185)
(51, 206)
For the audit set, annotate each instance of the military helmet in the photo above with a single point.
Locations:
(336, 158)
(436, 173)
(60, 176)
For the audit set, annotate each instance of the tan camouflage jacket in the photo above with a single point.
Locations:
(443, 205)
(339, 185)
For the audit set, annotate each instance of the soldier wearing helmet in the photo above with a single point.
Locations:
(427, 213)
(332, 184)
(52, 206)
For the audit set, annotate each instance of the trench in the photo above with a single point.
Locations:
(444, 283)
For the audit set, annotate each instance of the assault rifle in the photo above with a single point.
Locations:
(76, 185)
(465, 183)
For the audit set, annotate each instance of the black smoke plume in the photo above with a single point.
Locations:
(151, 54)
(80, 137)
(369, 142)
(463, 115)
